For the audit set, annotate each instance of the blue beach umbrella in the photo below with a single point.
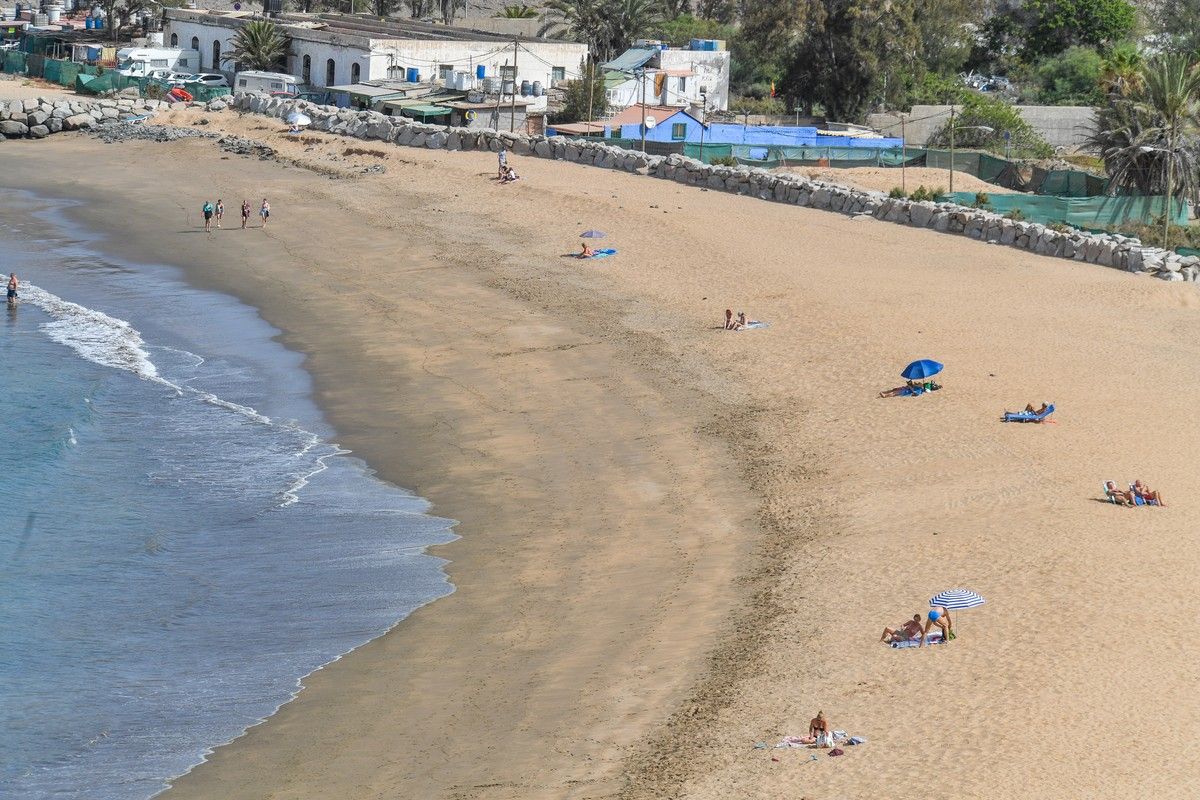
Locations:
(919, 370)
(592, 235)
(955, 599)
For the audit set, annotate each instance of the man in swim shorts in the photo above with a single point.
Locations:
(909, 630)
(245, 213)
(13, 285)
(938, 616)
(208, 215)
(264, 211)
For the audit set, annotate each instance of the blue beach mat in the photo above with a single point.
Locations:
(604, 252)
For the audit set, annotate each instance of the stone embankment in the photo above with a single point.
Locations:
(38, 118)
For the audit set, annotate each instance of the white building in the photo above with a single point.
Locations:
(333, 49)
(676, 77)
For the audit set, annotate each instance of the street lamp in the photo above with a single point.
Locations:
(703, 123)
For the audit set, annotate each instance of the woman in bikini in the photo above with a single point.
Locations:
(245, 213)
(818, 729)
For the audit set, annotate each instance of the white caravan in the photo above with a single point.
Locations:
(266, 82)
(139, 62)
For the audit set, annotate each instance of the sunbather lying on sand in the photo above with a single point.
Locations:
(586, 252)
(909, 387)
(909, 630)
(1146, 493)
(939, 616)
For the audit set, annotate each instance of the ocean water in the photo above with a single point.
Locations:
(181, 540)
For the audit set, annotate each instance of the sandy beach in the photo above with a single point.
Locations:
(678, 542)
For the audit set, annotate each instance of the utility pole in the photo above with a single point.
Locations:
(643, 109)
(951, 148)
(499, 98)
(903, 154)
(591, 90)
(512, 111)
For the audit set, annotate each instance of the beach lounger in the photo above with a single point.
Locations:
(1140, 501)
(1028, 416)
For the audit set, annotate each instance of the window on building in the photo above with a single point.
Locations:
(330, 72)
(679, 131)
(306, 69)
(445, 71)
(174, 40)
(195, 42)
(216, 55)
(508, 73)
(558, 74)
(355, 71)
(682, 85)
(162, 62)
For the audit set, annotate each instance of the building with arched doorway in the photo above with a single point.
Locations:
(332, 49)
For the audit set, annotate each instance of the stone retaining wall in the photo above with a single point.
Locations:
(37, 119)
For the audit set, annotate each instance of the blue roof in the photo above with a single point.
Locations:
(631, 59)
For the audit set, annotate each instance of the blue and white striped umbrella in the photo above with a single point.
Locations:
(954, 599)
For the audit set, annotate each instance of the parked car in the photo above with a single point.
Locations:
(210, 79)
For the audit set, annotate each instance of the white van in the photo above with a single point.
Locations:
(139, 62)
(266, 82)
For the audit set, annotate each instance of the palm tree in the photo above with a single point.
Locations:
(259, 45)
(1171, 92)
(518, 12)
(450, 9)
(606, 26)
(580, 20)
(1151, 137)
(1121, 70)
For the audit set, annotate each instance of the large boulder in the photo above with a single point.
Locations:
(78, 121)
(39, 131)
(13, 128)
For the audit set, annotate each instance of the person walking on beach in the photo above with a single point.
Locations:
(264, 211)
(220, 211)
(502, 156)
(245, 213)
(13, 285)
(208, 215)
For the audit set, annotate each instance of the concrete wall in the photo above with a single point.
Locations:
(535, 61)
(1061, 126)
(710, 70)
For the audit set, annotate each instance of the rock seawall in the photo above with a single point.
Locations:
(38, 118)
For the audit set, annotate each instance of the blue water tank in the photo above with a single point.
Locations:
(526, 88)
(480, 72)
(414, 75)
(99, 24)
(697, 44)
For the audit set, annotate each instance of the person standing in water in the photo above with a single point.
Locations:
(208, 215)
(13, 285)
(220, 211)
(245, 213)
(264, 211)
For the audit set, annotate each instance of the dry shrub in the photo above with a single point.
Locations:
(362, 151)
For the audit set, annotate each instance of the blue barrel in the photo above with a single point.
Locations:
(537, 89)
(414, 75)
(526, 88)
(99, 24)
(480, 72)
(89, 23)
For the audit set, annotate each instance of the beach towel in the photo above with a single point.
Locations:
(604, 252)
(1028, 416)
(908, 391)
(754, 326)
(934, 638)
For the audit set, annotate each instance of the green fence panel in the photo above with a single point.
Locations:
(52, 70)
(14, 62)
(1095, 213)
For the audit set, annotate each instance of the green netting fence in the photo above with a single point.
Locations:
(1094, 213)
(1000, 171)
(88, 79)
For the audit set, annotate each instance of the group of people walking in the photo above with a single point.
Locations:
(215, 213)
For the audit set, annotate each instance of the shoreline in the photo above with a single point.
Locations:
(762, 513)
(328, 383)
